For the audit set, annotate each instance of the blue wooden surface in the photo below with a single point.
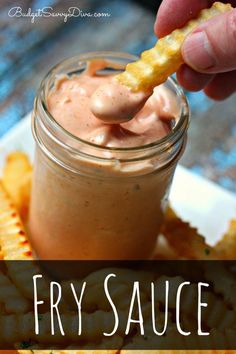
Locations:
(27, 51)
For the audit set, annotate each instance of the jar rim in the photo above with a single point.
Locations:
(176, 132)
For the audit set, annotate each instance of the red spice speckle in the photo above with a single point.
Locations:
(28, 253)
(21, 232)
(25, 242)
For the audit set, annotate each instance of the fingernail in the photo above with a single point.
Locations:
(197, 51)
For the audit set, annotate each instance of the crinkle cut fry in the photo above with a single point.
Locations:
(217, 315)
(159, 62)
(122, 351)
(16, 179)
(119, 294)
(226, 247)
(15, 246)
(175, 352)
(223, 281)
(224, 337)
(14, 242)
(185, 240)
(70, 351)
(93, 326)
(11, 298)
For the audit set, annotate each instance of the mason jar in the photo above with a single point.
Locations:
(97, 202)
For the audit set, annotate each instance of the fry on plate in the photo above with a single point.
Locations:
(227, 245)
(185, 240)
(16, 180)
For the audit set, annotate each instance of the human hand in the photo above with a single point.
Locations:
(209, 51)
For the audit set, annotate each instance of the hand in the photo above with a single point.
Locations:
(209, 51)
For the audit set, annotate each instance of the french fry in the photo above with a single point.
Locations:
(217, 315)
(114, 341)
(227, 245)
(185, 240)
(226, 338)
(93, 323)
(163, 250)
(119, 294)
(15, 246)
(223, 281)
(99, 350)
(34, 350)
(16, 180)
(159, 62)
(11, 298)
(124, 351)
(13, 239)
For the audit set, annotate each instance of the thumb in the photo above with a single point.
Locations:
(211, 48)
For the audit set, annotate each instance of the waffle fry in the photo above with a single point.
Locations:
(159, 62)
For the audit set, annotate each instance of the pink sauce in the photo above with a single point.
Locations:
(70, 101)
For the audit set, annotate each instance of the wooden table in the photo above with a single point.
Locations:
(28, 50)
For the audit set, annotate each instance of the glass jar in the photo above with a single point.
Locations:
(95, 202)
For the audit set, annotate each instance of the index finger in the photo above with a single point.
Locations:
(174, 14)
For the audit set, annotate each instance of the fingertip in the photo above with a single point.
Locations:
(155, 27)
(192, 80)
(174, 14)
(161, 25)
(216, 96)
(222, 86)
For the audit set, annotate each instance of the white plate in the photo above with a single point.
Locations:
(197, 200)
